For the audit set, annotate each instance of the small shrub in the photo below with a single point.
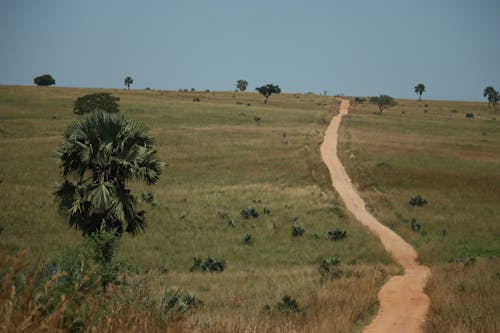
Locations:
(257, 119)
(469, 115)
(297, 230)
(415, 226)
(453, 111)
(247, 240)
(249, 212)
(337, 234)
(288, 305)
(196, 99)
(192, 89)
(97, 101)
(443, 232)
(329, 270)
(267, 211)
(147, 197)
(316, 236)
(208, 265)
(231, 223)
(360, 100)
(417, 200)
(176, 303)
(183, 215)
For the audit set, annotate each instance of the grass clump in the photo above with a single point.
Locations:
(247, 240)
(208, 265)
(417, 200)
(297, 230)
(249, 212)
(178, 303)
(337, 234)
(329, 270)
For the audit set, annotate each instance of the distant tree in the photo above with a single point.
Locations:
(44, 80)
(98, 156)
(419, 90)
(492, 95)
(383, 102)
(267, 90)
(241, 85)
(98, 101)
(128, 81)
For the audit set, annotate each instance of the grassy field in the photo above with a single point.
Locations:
(431, 149)
(226, 152)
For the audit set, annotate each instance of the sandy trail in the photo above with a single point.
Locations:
(403, 303)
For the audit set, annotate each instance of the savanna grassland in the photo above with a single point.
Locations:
(223, 151)
(432, 149)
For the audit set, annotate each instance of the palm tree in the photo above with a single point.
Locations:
(419, 89)
(128, 81)
(492, 95)
(98, 156)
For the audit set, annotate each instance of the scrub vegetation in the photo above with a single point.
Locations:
(218, 163)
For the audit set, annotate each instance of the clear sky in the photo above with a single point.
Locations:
(351, 47)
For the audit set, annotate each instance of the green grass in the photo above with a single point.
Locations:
(218, 161)
(453, 163)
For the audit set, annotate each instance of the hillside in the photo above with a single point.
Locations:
(225, 151)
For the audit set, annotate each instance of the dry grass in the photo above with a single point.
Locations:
(453, 163)
(219, 160)
(465, 297)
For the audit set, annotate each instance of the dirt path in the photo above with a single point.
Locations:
(403, 303)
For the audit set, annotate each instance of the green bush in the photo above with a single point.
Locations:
(414, 225)
(97, 101)
(44, 80)
(288, 305)
(417, 200)
(329, 270)
(337, 234)
(176, 303)
(469, 115)
(147, 197)
(267, 211)
(297, 230)
(208, 265)
(247, 240)
(249, 212)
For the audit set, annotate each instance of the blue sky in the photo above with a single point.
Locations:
(355, 47)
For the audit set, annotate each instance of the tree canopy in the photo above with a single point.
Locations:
(97, 101)
(492, 95)
(267, 90)
(44, 80)
(241, 85)
(419, 90)
(98, 156)
(383, 102)
(128, 81)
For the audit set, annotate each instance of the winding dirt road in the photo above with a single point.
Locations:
(403, 303)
